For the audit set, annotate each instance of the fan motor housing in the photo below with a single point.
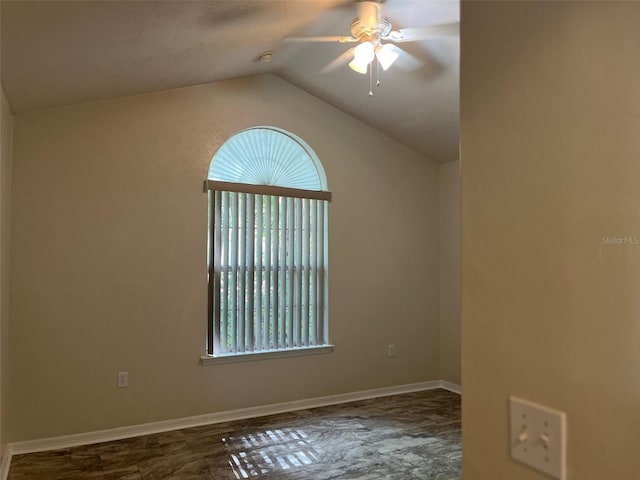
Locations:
(360, 31)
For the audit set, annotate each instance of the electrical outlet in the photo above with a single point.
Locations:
(538, 437)
(123, 379)
(391, 350)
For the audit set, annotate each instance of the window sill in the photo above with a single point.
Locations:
(253, 356)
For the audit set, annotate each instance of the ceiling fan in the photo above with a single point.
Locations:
(376, 39)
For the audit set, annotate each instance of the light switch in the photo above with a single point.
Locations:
(538, 437)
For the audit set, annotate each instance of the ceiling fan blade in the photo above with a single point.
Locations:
(405, 60)
(368, 14)
(424, 33)
(336, 39)
(339, 61)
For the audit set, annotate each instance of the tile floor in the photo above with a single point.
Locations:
(404, 437)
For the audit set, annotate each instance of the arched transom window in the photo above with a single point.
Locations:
(267, 248)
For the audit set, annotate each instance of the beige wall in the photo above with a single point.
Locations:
(109, 245)
(6, 127)
(550, 165)
(449, 256)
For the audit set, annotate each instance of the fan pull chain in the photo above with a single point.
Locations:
(371, 80)
(377, 73)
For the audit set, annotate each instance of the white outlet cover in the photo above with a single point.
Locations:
(538, 437)
(123, 379)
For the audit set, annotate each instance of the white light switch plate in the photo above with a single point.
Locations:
(538, 437)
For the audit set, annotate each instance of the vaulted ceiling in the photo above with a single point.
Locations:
(63, 52)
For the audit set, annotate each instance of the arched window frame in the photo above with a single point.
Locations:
(268, 211)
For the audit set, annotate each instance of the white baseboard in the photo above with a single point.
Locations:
(452, 387)
(67, 441)
(6, 463)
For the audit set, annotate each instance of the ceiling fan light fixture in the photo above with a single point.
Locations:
(386, 55)
(358, 66)
(364, 53)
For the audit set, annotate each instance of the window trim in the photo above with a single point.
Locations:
(265, 354)
(212, 185)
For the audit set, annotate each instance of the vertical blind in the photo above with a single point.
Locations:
(267, 269)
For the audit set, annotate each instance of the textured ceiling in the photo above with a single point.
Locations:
(63, 52)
